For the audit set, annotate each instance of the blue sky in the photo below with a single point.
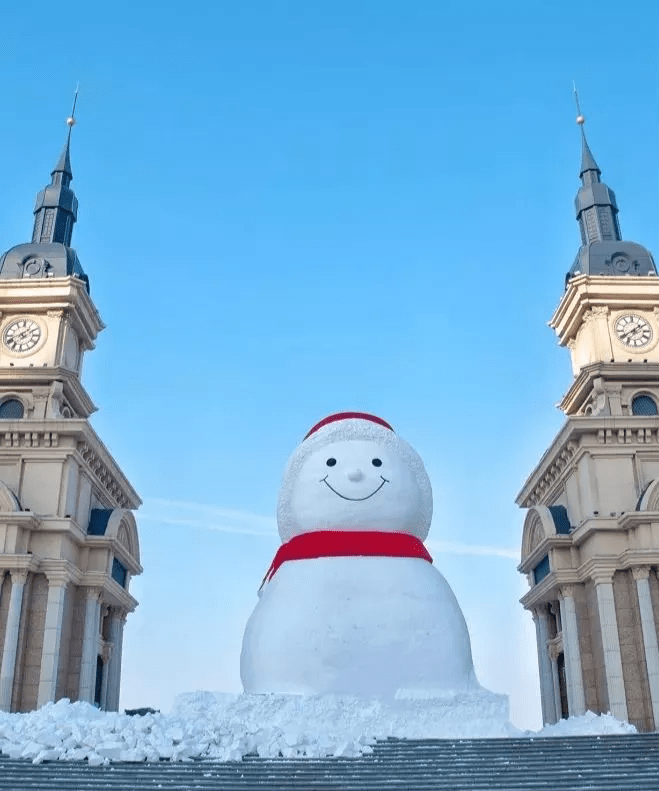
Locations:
(289, 209)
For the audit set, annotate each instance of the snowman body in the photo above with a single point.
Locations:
(357, 625)
(360, 624)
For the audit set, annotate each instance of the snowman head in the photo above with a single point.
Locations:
(352, 472)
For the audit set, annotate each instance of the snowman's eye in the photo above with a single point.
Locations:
(330, 462)
(377, 462)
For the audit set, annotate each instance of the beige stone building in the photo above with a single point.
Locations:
(68, 538)
(590, 546)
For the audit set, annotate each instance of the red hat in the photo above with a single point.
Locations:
(347, 416)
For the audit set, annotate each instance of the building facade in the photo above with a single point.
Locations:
(68, 537)
(590, 546)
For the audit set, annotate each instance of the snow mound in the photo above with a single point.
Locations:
(225, 727)
(590, 724)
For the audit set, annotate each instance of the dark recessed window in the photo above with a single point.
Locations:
(541, 570)
(119, 572)
(644, 405)
(11, 409)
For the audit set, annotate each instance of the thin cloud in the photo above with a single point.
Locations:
(455, 548)
(207, 517)
(227, 520)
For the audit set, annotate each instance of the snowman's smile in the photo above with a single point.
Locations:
(355, 499)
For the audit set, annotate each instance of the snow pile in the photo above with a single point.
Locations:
(590, 724)
(227, 727)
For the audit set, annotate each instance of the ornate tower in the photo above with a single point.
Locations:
(68, 538)
(590, 545)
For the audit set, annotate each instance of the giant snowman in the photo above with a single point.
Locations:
(352, 603)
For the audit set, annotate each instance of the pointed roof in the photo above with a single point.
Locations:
(587, 159)
(50, 254)
(64, 162)
(603, 250)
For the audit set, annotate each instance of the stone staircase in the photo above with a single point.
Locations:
(588, 763)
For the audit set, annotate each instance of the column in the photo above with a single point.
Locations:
(52, 636)
(114, 670)
(90, 644)
(641, 575)
(18, 580)
(575, 693)
(554, 651)
(611, 644)
(106, 656)
(540, 617)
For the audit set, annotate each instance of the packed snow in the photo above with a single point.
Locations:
(357, 624)
(223, 727)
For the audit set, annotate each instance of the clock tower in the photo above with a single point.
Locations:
(68, 538)
(590, 546)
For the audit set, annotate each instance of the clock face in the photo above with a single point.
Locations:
(633, 331)
(21, 335)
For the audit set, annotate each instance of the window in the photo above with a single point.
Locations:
(11, 409)
(541, 570)
(119, 572)
(644, 405)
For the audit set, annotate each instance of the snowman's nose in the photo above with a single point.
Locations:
(355, 475)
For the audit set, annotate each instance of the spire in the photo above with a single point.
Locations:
(56, 207)
(603, 251)
(587, 159)
(49, 254)
(597, 211)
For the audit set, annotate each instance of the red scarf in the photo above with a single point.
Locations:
(336, 543)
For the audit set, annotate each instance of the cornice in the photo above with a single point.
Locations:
(74, 392)
(25, 519)
(620, 433)
(73, 435)
(582, 385)
(11, 562)
(550, 542)
(63, 293)
(118, 550)
(599, 570)
(586, 292)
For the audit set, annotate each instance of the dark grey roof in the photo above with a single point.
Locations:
(596, 763)
(64, 162)
(587, 159)
(49, 254)
(603, 250)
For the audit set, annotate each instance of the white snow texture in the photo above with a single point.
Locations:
(226, 727)
(356, 625)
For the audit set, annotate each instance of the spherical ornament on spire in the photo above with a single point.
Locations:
(581, 119)
(71, 121)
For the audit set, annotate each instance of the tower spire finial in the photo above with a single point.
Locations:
(580, 118)
(71, 120)
(587, 159)
(602, 251)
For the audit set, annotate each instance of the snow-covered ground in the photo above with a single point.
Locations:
(227, 727)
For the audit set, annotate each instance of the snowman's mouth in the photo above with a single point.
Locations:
(354, 499)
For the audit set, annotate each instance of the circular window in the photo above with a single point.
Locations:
(644, 405)
(11, 409)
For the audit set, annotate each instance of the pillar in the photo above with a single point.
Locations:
(114, 669)
(540, 617)
(90, 644)
(641, 575)
(52, 636)
(8, 668)
(106, 656)
(611, 644)
(554, 651)
(575, 693)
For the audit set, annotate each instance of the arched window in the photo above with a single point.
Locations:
(642, 405)
(12, 409)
